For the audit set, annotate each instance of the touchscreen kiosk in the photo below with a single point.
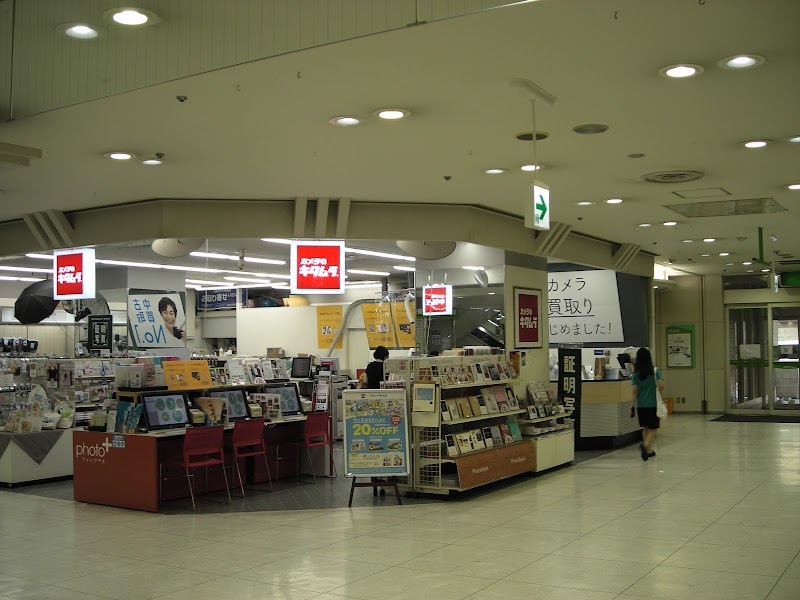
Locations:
(289, 398)
(234, 400)
(165, 411)
(301, 367)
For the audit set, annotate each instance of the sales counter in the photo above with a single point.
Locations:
(35, 456)
(141, 470)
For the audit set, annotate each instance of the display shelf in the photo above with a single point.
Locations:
(94, 376)
(544, 419)
(547, 433)
(455, 386)
(484, 417)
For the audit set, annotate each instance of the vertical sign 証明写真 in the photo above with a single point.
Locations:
(437, 300)
(527, 310)
(74, 274)
(100, 336)
(570, 376)
(317, 267)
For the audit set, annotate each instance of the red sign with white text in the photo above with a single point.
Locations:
(318, 267)
(528, 318)
(437, 300)
(73, 275)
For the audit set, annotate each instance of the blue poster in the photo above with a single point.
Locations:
(375, 433)
(216, 299)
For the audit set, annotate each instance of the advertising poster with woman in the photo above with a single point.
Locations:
(157, 319)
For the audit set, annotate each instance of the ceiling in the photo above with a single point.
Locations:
(260, 130)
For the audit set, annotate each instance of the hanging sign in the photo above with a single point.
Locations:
(73, 274)
(537, 209)
(437, 300)
(216, 299)
(375, 433)
(317, 267)
(583, 307)
(100, 328)
(528, 315)
(157, 319)
(570, 377)
(329, 322)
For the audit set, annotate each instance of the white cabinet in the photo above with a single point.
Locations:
(554, 450)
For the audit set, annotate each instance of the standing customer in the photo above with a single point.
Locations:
(644, 382)
(374, 370)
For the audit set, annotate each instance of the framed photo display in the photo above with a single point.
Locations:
(528, 318)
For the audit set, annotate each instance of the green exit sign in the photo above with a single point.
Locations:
(789, 279)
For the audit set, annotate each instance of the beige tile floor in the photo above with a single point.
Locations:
(715, 516)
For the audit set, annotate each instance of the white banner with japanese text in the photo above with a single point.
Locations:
(157, 319)
(583, 307)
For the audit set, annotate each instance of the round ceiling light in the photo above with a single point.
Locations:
(687, 241)
(795, 139)
(794, 186)
(531, 167)
(392, 114)
(709, 240)
(152, 162)
(644, 225)
(495, 171)
(584, 203)
(669, 223)
(705, 255)
(590, 128)
(724, 253)
(614, 201)
(527, 136)
(737, 62)
(345, 121)
(755, 143)
(682, 71)
(119, 155)
(747, 263)
(130, 16)
(79, 31)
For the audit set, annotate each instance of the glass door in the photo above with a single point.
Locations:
(785, 358)
(748, 352)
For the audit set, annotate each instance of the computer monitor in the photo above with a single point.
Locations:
(234, 400)
(301, 367)
(290, 399)
(165, 411)
(624, 359)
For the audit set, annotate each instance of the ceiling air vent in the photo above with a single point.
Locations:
(677, 176)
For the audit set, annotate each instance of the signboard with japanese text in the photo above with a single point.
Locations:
(156, 319)
(537, 209)
(680, 346)
(528, 315)
(570, 376)
(404, 328)
(317, 267)
(186, 374)
(375, 433)
(329, 322)
(583, 307)
(437, 300)
(100, 332)
(74, 274)
(216, 299)
(387, 324)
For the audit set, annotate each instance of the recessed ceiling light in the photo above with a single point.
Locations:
(403, 268)
(709, 240)
(491, 293)
(366, 272)
(705, 255)
(153, 161)
(737, 62)
(614, 201)
(119, 155)
(494, 171)
(645, 225)
(794, 186)
(590, 128)
(471, 268)
(584, 203)
(130, 16)
(655, 287)
(724, 253)
(531, 167)
(344, 121)
(680, 71)
(669, 223)
(728, 264)
(392, 114)
(687, 241)
(749, 270)
(379, 254)
(795, 139)
(277, 240)
(747, 263)
(80, 31)
(755, 143)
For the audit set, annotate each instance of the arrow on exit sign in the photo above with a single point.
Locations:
(537, 209)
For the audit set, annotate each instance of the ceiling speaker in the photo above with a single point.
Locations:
(175, 247)
(427, 250)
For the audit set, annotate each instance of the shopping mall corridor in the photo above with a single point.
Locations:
(715, 515)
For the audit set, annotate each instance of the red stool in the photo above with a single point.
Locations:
(248, 440)
(202, 447)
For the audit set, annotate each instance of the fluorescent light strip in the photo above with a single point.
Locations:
(469, 268)
(245, 279)
(264, 261)
(380, 254)
(402, 268)
(234, 257)
(26, 269)
(203, 282)
(5, 278)
(352, 286)
(277, 241)
(41, 256)
(365, 272)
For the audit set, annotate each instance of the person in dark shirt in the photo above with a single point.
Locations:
(374, 370)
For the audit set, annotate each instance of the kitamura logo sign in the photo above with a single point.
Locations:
(437, 300)
(317, 267)
(73, 274)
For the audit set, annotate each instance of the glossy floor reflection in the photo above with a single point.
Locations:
(716, 515)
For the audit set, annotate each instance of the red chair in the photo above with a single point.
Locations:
(202, 447)
(248, 440)
(318, 425)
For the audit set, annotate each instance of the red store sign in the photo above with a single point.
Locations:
(317, 267)
(437, 300)
(73, 274)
